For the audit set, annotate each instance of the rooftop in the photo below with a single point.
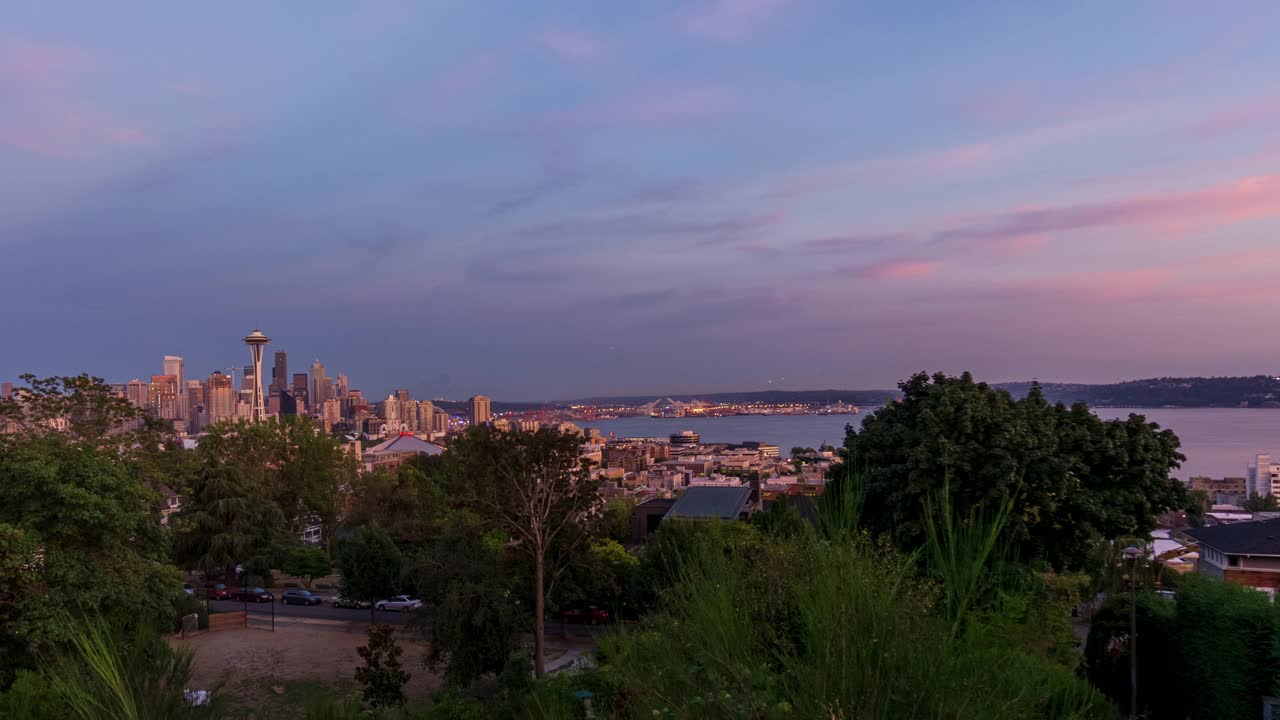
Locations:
(1258, 537)
(405, 444)
(725, 503)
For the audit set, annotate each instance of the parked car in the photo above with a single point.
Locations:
(339, 601)
(588, 615)
(188, 588)
(254, 594)
(217, 591)
(299, 597)
(399, 602)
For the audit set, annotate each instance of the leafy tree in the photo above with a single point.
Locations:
(371, 565)
(79, 408)
(536, 487)
(409, 503)
(307, 562)
(381, 675)
(781, 520)
(222, 525)
(1261, 503)
(617, 519)
(97, 544)
(1075, 478)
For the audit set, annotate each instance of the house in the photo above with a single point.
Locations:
(170, 503)
(1245, 553)
(392, 453)
(713, 503)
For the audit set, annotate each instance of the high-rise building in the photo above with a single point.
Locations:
(257, 342)
(426, 411)
(222, 398)
(194, 403)
(317, 395)
(440, 422)
(479, 410)
(342, 386)
(173, 365)
(332, 412)
(280, 371)
(301, 397)
(137, 393)
(6, 390)
(162, 397)
(246, 378)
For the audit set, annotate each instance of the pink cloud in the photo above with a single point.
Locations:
(127, 136)
(730, 20)
(1014, 246)
(900, 269)
(30, 65)
(1250, 115)
(572, 44)
(648, 108)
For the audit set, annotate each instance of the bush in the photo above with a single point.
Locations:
(31, 697)
(453, 705)
(381, 675)
(186, 605)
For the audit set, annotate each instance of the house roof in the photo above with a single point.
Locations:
(405, 444)
(1258, 537)
(725, 503)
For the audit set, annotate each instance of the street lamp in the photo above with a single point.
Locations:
(1131, 555)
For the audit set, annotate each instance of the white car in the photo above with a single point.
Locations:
(399, 602)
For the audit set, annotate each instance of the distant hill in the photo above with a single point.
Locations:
(1258, 391)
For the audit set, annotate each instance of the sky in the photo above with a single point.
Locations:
(548, 200)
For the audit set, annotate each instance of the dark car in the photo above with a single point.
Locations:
(299, 597)
(254, 594)
(217, 591)
(340, 601)
(588, 615)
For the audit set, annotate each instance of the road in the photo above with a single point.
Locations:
(326, 612)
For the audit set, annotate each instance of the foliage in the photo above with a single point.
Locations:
(804, 629)
(307, 562)
(381, 675)
(478, 611)
(781, 520)
(1261, 503)
(106, 676)
(535, 487)
(76, 408)
(616, 524)
(1077, 478)
(222, 525)
(408, 502)
(31, 697)
(372, 565)
(963, 553)
(77, 533)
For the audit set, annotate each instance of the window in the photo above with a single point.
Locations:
(1233, 561)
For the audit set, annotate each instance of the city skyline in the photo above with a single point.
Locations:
(551, 202)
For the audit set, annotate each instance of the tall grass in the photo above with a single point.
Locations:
(964, 552)
(102, 676)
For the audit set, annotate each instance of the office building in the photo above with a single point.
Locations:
(332, 412)
(6, 390)
(280, 371)
(194, 404)
(301, 398)
(221, 400)
(1264, 477)
(317, 396)
(162, 397)
(137, 393)
(426, 416)
(342, 386)
(173, 365)
(439, 422)
(480, 413)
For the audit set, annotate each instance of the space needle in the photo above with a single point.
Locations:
(256, 341)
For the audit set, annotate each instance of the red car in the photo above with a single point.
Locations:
(590, 616)
(254, 594)
(217, 591)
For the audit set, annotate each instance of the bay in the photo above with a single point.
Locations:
(1217, 441)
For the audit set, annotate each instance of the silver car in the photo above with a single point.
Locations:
(399, 602)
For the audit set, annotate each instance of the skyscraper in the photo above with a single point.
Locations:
(162, 397)
(342, 386)
(316, 397)
(6, 390)
(426, 411)
(222, 397)
(301, 398)
(479, 410)
(257, 342)
(136, 392)
(173, 365)
(280, 371)
(194, 399)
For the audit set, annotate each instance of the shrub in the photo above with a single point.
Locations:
(381, 676)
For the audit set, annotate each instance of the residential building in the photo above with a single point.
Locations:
(1264, 477)
(162, 397)
(194, 401)
(138, 393)
(1233, 485)
(440, 422)
(1245, 553)
(426, 416)
(6, 390)
(332, 412)
(480, 413)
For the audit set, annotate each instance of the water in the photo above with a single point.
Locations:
(1217, 441)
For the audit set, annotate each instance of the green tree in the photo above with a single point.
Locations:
(222, 524)
(781, 519)
(381, 676)
(1075, 478)
(307, 562)
(97, 542)
(1261, 503)
(409, 503)
(536, 487)
(78, 408)
(617, 519)
(371, 564)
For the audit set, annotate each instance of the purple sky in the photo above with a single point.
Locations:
(555, 199)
